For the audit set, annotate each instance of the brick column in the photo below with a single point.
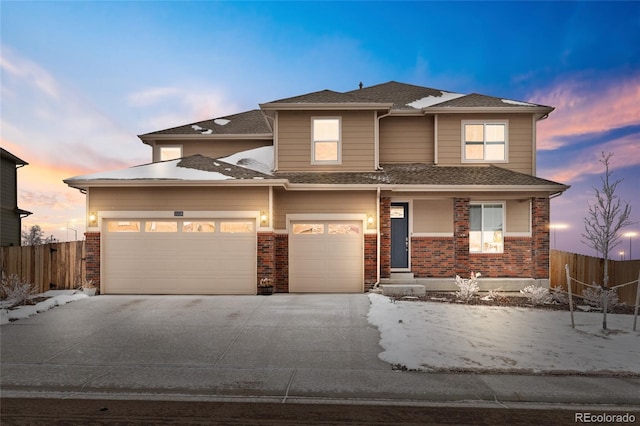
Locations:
(92, 257)
(461, 236)
(370, 260)
(282, 263)
(385, 237)
(266, 256)
(540, 237)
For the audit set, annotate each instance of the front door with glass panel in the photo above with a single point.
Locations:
(399, 235)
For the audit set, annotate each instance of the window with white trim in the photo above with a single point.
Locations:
(486, 228)
(170, 152)
(484, 141)
(325, 140)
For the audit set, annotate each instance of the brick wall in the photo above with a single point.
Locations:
(370, 260)
(540, 235)
(385, 237)
(92, 264)
(266, 256)
(432, 257)
(516, 261)
(461, 235)
(282, 263)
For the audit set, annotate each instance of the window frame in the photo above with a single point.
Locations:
(161, 147)
(484, 123)
(338, 160)
(503, 205)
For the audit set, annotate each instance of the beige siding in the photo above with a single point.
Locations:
(433, 216)
(178, 198)
(321, 202)
(518, 216)
(294, 140)
(520, 147)
(212, 148)
(406, 140)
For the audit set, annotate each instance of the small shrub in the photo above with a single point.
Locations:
(558, 295)
(593, 296)
(86, 284)
(14, 289)
(536, 295)
(468, 288)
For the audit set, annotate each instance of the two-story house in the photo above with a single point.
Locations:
(10, 215)
(328, 192)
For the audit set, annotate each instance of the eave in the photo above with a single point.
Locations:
(150, 139)
(480, 110)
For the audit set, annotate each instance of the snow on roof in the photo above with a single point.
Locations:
(165, 170)
(221, 121)
(257, 159)
(510, 102)
(434, 100)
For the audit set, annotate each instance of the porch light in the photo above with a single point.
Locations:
(370, 220)
(263, 218)
(93, 217)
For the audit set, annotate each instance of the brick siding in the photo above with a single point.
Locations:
(370, 260)
(266, 256)
(432, 257)
(92, 259)
(385, 237)
(282, 263)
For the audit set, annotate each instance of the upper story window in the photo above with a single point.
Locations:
(484, 141)
(170, 152)
(326, 141)
(486, 229)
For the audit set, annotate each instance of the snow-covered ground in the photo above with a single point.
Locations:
(54, 298)
(433, 336)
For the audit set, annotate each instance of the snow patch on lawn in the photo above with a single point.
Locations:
(438, 336)
(55, 298)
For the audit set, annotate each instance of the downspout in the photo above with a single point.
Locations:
(274, 130)
(378, 239)
(435, 139)
(376, 141)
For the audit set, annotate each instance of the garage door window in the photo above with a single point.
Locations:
(161, 227)
(236, 227)
(343, 229)
(124, 227)
(308, 228)
(199, 227)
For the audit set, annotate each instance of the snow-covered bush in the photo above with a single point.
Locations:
(558, 295)
(468, 288)
(593, 296)
(15, 290)
(536, 295)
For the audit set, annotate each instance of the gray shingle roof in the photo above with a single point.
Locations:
(391, 174)
(422, 174)
(323, 96)
(244, 123)
(400, 94)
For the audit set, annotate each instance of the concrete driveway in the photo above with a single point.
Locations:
(284, 348)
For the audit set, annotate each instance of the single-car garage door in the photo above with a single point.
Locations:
(326, 257)
(209, 256)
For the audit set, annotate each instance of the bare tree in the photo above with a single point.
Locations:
(33, 237)
(605, 218)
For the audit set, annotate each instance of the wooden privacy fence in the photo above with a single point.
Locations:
(48, 266)
(591, 269)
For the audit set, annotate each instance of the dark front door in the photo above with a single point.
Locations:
(399, 235)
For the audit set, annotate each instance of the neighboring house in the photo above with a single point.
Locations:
(11, 215)
(328, 192)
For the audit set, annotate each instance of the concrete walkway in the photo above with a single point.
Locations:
(284, 348)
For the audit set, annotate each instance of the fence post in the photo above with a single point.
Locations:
(566, 268)
(635, 314)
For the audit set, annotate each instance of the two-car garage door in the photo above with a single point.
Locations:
(209, 256)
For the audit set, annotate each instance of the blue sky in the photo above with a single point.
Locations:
(80, 80)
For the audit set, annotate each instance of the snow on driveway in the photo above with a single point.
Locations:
(433, 336)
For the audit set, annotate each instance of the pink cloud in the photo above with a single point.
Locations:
(626, 153)
(582, 107)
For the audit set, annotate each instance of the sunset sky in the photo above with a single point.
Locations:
(79, 80)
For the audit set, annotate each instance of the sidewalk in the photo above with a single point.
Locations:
(284, 348)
